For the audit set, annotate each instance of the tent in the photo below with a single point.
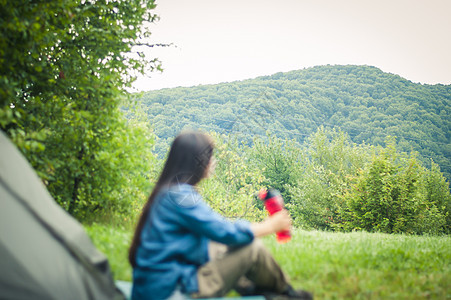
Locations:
(44, 252)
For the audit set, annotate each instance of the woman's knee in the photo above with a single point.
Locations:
(255, 250)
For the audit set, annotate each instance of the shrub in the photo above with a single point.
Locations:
(391, 195)
(232, 190)
(329, 160)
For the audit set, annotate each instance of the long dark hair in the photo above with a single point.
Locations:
(187, 162)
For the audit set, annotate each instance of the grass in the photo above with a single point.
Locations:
(114, 243)
(355, 265)
(364, 265)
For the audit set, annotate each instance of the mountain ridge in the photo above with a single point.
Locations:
(363, 101)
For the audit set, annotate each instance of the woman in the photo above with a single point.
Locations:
(180, 244)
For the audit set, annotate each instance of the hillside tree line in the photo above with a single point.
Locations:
(366, 103)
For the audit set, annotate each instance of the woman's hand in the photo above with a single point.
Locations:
(279, 221)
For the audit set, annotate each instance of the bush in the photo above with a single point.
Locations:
(396, 194)
(232, 190)
(329, 160)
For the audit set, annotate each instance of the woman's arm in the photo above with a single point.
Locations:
(277, 222)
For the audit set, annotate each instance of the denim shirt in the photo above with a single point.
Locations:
(174, 242)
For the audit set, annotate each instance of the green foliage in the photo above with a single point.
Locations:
(232, 189)
(330, 160)
(362, 101)
(391, 196)
(114, 242)
(331, 184)
(63, 69)
(280, 163)
(334, 184)
(436, 213)
(127, 165)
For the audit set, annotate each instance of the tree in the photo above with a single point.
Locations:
(279, 161)
(63, 73)
(330, 160)
(363, 101)
(233, 188)
(395, 194)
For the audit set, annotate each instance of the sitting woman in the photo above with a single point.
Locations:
(182, 245)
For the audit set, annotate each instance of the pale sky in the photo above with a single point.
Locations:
(221, 41)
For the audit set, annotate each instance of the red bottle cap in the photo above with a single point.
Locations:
(262, 194)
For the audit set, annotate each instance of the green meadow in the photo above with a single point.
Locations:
(355, 265)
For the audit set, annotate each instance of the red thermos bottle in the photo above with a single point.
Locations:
(273, 203)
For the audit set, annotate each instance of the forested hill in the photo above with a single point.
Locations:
(363, 101)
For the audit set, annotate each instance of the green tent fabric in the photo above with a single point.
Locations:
(44, 252)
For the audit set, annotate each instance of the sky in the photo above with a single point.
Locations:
(222, 41)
